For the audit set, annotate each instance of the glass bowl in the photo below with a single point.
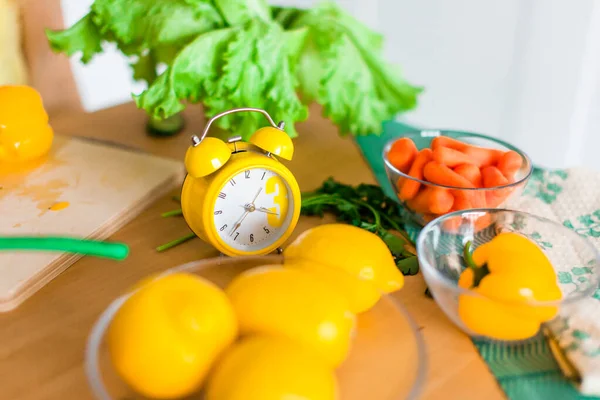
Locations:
(493, 197)
(440, 250)
(387, 360)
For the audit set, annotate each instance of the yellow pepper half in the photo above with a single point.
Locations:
(508, 273)
(24, 131)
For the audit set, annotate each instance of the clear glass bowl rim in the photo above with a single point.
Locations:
(96, 336)
(450, 284)
(436, 133)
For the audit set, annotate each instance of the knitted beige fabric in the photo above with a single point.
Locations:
(572, 198)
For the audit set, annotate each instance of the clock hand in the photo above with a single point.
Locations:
(266, 210)
(257, 193)
(249, 208)
(239, 223)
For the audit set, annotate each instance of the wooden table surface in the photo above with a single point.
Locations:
(42, 342)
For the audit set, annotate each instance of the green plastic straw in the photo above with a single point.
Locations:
(116, 251)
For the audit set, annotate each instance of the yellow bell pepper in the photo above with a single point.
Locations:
(508, 274)
(25, 134)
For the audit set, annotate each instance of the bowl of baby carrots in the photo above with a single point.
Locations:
(437, 172)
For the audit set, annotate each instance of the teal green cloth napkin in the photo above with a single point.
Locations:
(525, 371)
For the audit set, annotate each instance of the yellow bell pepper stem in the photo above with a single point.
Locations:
(479, 271)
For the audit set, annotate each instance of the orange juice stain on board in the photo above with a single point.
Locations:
(61, 205)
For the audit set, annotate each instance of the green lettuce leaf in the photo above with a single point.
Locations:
(294, 43)
(84, 37)
(154, 31)
(191, 76)
(341, 67)
(245, 66)
(137, 25)
(145, 68)
(258, 74)
(238, 12)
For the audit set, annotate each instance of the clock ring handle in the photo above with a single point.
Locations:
(196, 140)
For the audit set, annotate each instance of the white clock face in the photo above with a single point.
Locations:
(253, 209)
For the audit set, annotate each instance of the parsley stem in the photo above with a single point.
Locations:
(172, 213)
(397, 228)
(376, 214)
(175, 242)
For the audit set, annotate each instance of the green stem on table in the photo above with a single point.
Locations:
(309, 198)
(116, 251)
(176, 198)
(373, 211)
(175, 242)
(397, 228)
(172, 213)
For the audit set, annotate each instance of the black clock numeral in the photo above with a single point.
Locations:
(222, 195)
(251, 238)
(218, 212)
(223, 228)
(247, 174)
(263, 177)
(232, 182)
(236, 235)
(266, 230)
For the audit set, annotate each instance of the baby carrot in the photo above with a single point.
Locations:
(454, 224)
(470, 172)
(495, 198)
(420, 202)
(440, 201)
(509, 163)
(409, 188)
(461, 201)
(445, 141)
(477, 198)
(429, 217)
(450, 157)
(402, 154)
(492, 177)
(442, 175)
(431, 200)
(482, 157)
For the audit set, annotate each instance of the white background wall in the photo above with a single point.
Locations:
(523, 70)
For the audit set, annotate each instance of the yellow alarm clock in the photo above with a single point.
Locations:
(238, 196)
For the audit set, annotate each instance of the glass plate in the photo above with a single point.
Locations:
(387, 360)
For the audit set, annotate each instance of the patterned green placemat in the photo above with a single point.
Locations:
(524, 371)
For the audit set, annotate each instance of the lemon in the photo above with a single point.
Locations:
(361, 294)
(166, 336)
(291, 303)
(270, 368)
(359, 252)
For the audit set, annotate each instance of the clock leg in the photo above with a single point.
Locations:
(279, 250)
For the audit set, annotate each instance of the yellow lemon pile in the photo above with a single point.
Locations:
(275, 332)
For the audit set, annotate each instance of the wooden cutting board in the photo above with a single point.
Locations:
(82, 189)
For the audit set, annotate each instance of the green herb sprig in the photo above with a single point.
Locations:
(367, 207)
